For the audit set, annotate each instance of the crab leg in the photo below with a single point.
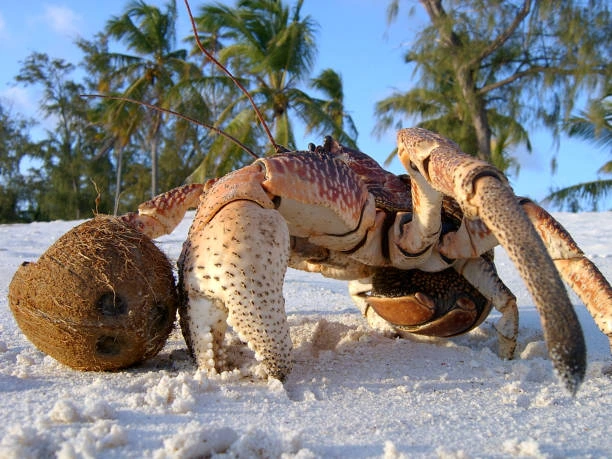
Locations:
(473, 238)
(224, 283)
(482, 192)
(482, 275)
(417, 237)
(577, 270)
(231, 272)
(164, 212)
(212, 276)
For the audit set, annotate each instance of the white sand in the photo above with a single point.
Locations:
(354, 392)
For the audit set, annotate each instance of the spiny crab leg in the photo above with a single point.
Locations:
(577, 270)
(420, 235)
(232, 270)
(473, 238)
(238, 259)
(482, 275)
(164, 212)
(482, 192)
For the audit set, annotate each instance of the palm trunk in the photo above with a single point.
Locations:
(477, 113)
(77, 198)
(154, 143)
(118, 179)
(465, 80)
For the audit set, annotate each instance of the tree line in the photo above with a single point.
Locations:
(485, 72)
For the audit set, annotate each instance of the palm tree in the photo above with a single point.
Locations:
(593, 125)
(440, 112)
(271, 48)
(155, 72)
(68, 152)
(333, 119)
(121, 122)
(520, 62)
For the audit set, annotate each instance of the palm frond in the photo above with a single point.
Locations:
(576, 196)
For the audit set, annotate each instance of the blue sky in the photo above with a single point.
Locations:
(354, 39)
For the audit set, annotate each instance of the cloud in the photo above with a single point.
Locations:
(18, 99)
(63, 20)
(24, 103)
(2, 26)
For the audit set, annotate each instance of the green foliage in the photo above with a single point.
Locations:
(595, 126)
(154, 72)
(487, 68)
(329, 116)
(15, 204)
(65, 183)
(272, 48)
(583, 196)
(127, 152)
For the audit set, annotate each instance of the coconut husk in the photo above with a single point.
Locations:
(102, 297)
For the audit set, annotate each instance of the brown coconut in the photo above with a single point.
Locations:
(102, 297)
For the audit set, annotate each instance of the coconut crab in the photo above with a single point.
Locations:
(417, 248)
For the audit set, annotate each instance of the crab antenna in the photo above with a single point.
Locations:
(225, 70)
(180, 115)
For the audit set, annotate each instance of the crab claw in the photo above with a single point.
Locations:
(231, 272)
(483, 192)
(164, 212)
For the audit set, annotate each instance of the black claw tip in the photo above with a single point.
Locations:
(570, 367)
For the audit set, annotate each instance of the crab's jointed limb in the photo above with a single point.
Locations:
(482, 275)
(164, 212)
(231, 272)
(483, 193)
(576, 269)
